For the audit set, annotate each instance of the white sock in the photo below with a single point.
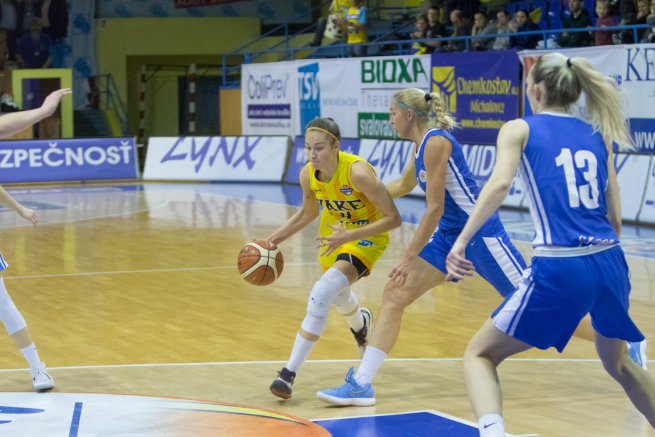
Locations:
(491, 425)
(301, 350)
(371, 362)
(31, 356)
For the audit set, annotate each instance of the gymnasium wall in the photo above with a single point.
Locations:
(124, 44)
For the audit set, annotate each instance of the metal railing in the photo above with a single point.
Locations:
(110, 98)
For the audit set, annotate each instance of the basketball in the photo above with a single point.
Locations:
(260, 262)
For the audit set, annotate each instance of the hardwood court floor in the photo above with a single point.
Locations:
(134, 290)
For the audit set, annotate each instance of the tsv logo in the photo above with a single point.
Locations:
(309, 93)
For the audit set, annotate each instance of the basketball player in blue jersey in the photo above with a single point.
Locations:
(441, 171)
(578, 266)
(357, 214)
(11, 318)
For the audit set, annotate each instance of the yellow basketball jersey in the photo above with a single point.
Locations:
(342, 202)
(340, 199)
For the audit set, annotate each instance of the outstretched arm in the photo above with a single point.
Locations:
(405, 183)
(15, 122)
(511, 139)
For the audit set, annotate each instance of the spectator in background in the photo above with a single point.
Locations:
(25, 11)
(338, 9)
(604, 38)
(482, 26)
(355, 24)
(419, 47)
(578, 19)
(642, 18)
(628, 15)
(461, 27)
(435, 29)
(54, 14)
(649, 36)
(33, 48)
(526, 24)
(9, 23)
(504, 26)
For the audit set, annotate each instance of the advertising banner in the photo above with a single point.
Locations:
(216, 158)
(631, 174)
(268, 96)
(480, 88)
(281, 98)
(633, 69)
(68, 160)
(389, 158)
(647, 213)
(378, 80)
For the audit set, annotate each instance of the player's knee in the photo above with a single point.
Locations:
(324, 292)
(314, 325)
(395, 296)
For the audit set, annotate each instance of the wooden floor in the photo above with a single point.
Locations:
(135, 291)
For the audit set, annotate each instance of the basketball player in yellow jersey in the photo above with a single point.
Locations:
(357, 214)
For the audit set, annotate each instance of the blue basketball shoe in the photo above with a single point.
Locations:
(637, 352)
(349, 394)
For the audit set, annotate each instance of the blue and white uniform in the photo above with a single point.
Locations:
(578, 266)
(494, 256)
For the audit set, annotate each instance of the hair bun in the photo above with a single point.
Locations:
(427, 97)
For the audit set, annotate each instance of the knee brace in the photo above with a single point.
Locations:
(346, 301)
(325, 290)
(9, 314)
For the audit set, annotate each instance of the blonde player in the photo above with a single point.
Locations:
(357, 213)
(9, 314)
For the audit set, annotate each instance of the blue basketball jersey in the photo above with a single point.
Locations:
(564, 170)
(461, 189)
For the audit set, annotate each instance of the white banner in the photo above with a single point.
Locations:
(259, 159)
(282, 97)
(647, 213)
(632, 173)
(268, 98)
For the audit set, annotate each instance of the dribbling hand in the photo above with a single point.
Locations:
(332, 242)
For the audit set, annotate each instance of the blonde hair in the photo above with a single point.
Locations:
(565, 79)
(428, 107)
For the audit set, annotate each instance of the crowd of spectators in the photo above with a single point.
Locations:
(491, 26)
(29, 29)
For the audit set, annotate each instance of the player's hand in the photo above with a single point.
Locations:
(457, 265)
(29, 215)
(400, 271)
(52, 101)
(338, 238)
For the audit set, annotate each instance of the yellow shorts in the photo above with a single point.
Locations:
(368, 250)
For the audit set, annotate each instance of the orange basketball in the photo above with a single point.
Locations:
(260, 262)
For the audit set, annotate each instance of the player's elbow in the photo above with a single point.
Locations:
(395, 220)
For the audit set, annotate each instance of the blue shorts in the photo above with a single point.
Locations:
(557, 292)
(492, 253)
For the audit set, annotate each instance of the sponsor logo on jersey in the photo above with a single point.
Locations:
(365, 243)
(422, 176)
(346, 190)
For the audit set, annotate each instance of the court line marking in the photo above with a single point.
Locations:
(242, 363)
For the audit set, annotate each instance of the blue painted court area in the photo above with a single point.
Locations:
(415, 424)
